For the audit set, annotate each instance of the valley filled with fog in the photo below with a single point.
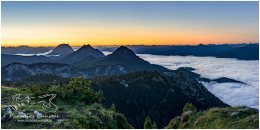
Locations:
(210, 67)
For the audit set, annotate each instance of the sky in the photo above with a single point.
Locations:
(128, 23)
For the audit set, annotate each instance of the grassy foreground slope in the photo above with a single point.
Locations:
(78, 108)
(217, 118)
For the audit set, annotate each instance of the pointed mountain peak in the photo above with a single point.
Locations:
(122, 50)
(85, 52)
(63, 45)
(86, 47)
(62, 49)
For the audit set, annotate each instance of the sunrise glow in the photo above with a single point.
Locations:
(128, 23)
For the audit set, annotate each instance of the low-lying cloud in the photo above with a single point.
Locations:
(38, 54)
(209, 67)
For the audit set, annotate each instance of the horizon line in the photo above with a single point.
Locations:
(137, 44)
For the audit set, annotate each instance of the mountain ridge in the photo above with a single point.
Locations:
(122, 60)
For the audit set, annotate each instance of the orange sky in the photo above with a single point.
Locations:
(77, 36)
(128, 23)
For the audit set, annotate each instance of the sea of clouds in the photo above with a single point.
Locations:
(210, 67)
(234, 94)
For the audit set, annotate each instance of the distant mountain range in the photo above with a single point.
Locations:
(238, 51)
(88, 53)
(247, 52)
(123, 60)
(24, 50)
(65, 54)
(87, 62)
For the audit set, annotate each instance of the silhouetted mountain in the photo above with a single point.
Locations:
(124, 51)
(24, 50)
(85, 53)
(62, 50)
(122, 60)
(141, 94)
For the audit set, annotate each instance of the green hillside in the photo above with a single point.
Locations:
(217, 118)
(78, 106)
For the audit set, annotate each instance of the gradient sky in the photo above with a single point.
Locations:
(120, 23)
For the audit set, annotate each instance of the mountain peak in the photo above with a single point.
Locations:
(83, 53)
(122, 50)
(63, 45)
(62, 49)
(89, 50)
(86, 47)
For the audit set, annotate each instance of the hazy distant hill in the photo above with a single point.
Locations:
(141, 94)
(62, 50)
(65, 52)
(248, 52)
(7, 59)
(122, 60)
(24, 50)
